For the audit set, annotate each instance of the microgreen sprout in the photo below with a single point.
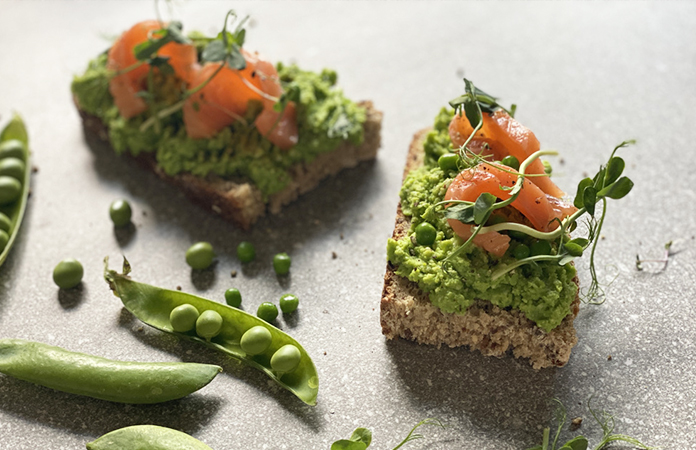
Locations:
(663, 261)
(607, 183)
(362, 437)
(605, 421)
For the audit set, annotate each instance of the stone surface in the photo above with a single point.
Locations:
(585, 76)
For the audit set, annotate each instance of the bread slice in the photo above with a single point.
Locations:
(240, 202)
(406, 312)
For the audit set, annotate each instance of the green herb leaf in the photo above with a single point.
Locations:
(160, 38)
(577, 443)
(566, 259)
(579, 202)
(598, 179)
(345, 444)
(618, 190)
(471, 107)
(614, 170)
(213, 52)
(162, 63)
(483, 207)
(573, 249)
(589, 199)
(362, 435)
(462, 213)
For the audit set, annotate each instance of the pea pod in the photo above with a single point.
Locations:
(154, 305)
(13, 148)
(105, 379)
(146, 437)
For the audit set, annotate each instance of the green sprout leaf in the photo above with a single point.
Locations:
(483, 207)
(579, 199)
(462, 213)
(362, 435)
(615, 168)
(618, 190)
(589, 199)
(573, 249)
(160, 38)
(577, 443)
(215, 51)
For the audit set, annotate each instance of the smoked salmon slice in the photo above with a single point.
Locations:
(501, 135)
(540, 208)
(125, 86)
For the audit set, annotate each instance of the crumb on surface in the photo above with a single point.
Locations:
(233, 274)
(334, 255)
(178, 288)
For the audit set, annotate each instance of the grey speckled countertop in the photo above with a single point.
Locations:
(586, 75)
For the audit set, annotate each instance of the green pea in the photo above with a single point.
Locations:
(120, 212)
(521, 251)
(209, 324)
(256, 340)
(511, 161)
(12, 167)
(4, 238)
(10, 190)
(5, 222)
(267, 311)
(200, 255)
(68, 273)
(281, 263)
(448, 161)
(183, 318)
(519, 235)
(288, 303)
(286, 358)
(12, 149)
(540, 248)
(246, 252)
(425, 233)
(233, 297)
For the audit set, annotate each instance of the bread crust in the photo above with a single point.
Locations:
(241, 202)
(406, 312)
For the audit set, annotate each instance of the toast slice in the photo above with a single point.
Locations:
(239, 201)
(406, 312)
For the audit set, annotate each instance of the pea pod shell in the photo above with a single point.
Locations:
(15, 129)
(146, 437)
(153, 305)
(105, 379)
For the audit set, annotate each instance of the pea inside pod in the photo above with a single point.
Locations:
(14, 182)
(105, 379)
(146, 437)
(153, 305)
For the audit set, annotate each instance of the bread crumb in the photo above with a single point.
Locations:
(609, 358)
(341, 236)
(575, 423)
(178, 288)
(233, 274)
(334, 255)
(34, 169)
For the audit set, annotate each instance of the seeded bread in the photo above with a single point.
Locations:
(240, 202)
(406, 312)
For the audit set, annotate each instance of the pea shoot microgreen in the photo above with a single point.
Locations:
(608, 183)
(362, 437)
(662, 261)
(605, 421)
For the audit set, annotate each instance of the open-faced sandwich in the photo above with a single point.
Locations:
(481, 253)
(238, 134)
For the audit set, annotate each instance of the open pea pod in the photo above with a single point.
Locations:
(15, 172)
(154, 305)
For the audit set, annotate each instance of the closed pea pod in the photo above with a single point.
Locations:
(146, 437)
(105, 379)
(14, 182)
(153, 306)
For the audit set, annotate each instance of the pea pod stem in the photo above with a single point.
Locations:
(153, 306)
(105, 379)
